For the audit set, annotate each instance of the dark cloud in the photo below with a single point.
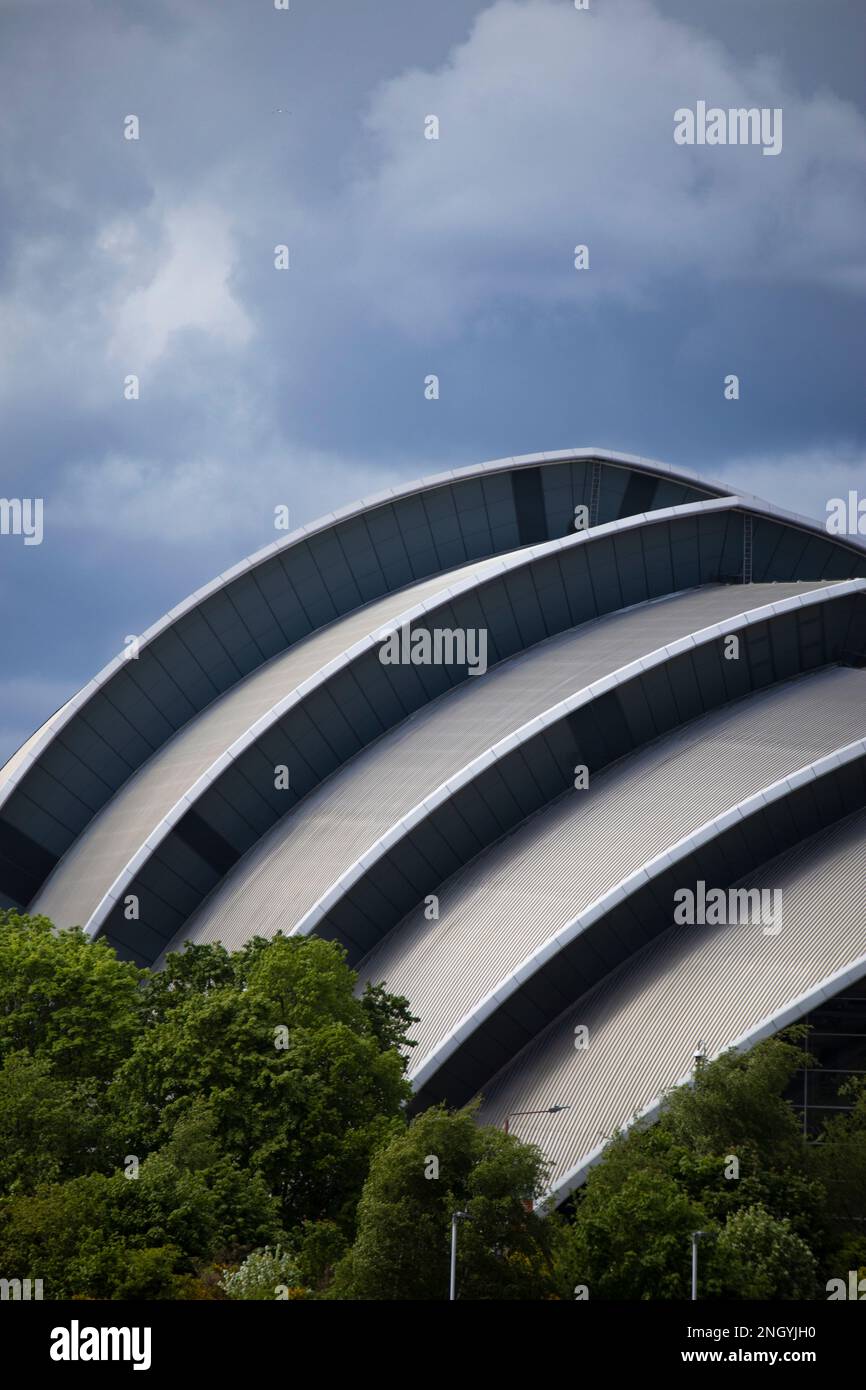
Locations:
(258, 387)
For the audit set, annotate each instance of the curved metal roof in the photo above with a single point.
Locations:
(524, 770)
(51, 799)
(226, 630)
(517, 906)
(517, 599)
(606, 648)
(350, 556)
(301, 875)
(163, 786)
(518, 1007)
(728, 985)
(175, 860)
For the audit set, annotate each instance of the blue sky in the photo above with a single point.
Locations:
(408, 257)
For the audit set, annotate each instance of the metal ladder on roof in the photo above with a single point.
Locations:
(747, 550)
(594, 493)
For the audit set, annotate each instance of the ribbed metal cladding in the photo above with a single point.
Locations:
(90, 866)
(518, 600)
(292, 866)
(717, 984)
(381, 544)
(513, 898)
(278, 597)
(20, 754)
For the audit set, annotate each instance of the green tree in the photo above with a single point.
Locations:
(631, 1239)
(191, 1195)
(318, 1246)
(736, 1110)
(725, 1156)
(303, 1078)
(65, 998)
(838, 1163)
(759, 1256)
(251, 1087)
(50, 1128)
(113, 1236)
(738, 1101)
(443, 1163)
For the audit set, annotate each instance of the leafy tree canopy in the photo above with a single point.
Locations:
(726, 1157)
(246, 1089)
(441, 1164)
(65, 998)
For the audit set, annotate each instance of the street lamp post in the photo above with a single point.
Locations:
(696, 1236)
(458, 1216)
(545, 1110)
(455, 1217)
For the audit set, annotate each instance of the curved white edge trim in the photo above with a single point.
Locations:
(57, 721)
(512, 561)
(499, 751)
(363, 506)
(766, 1028)
(612, 458)
(652, 869)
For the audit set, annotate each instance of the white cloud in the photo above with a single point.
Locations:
(211, 496)
(189, 290)
(801, 481)
(119, 309)
(557, 129)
